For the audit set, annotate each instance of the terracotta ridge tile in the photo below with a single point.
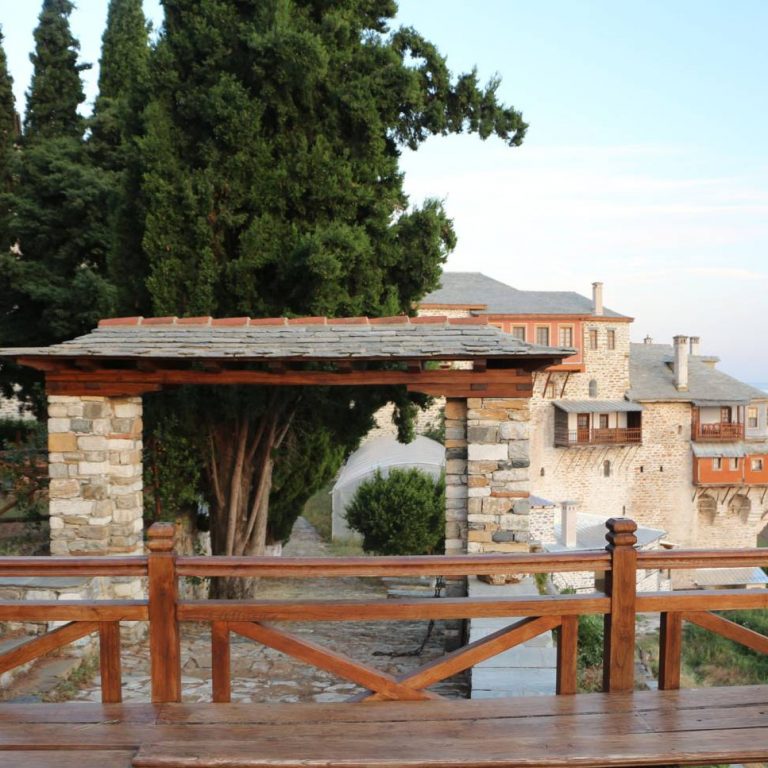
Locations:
(230, 321)
(107, 321)
(430, 320)
(167, 320)
(201, 320)
(348, 321)
(307, 320)
(392, 320)
(269, 321)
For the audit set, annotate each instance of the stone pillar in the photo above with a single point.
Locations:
(95, 471)
(455, 476)
(497, 475)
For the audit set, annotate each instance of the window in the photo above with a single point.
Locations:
(603, 421)
(611, 339)
(717, 464)
(593, 339)
(593, 387)
(518, 331)
(757, 465)
(542, 335)
(566, 336)
(752, 417)
(549, 390)
(606, 468)
(734, 464)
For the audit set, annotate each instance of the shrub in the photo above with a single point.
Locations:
(402, 514)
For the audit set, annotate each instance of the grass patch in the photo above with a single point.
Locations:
(346, 548)
(318, 511)
(714, 661)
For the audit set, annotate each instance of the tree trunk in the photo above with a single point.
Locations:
(240, 464)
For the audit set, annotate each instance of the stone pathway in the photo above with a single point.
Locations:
(260, 674)
(528, 669)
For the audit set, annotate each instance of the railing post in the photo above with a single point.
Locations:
(621, 587)
(670, 645)
(164, 645)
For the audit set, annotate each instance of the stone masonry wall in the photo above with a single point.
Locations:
(578, 474)
(497, 475)
(455, 476)
(95, 474)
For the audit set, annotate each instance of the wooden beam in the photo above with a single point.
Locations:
(131, 380)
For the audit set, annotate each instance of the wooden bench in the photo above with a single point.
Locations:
(686, 727)
(399, 721)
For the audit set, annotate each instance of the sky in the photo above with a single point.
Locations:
(645, 165)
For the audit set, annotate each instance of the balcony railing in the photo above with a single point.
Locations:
(718, 431)
(601, 436)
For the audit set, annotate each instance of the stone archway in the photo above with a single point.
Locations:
(707, 509)
(740, 506)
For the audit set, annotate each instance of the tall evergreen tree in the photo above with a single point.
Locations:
(9, 123)
(116, 126)
(8, 115)
(273, 188)
(56, 90)
(53, 277)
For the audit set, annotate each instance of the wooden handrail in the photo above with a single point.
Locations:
(434, 565)
(73, 566)
(702, 558)
(391, 610)
(164, 611)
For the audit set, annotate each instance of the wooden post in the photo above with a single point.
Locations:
(567, 655)
(670, 646)
(621, 587)
(220, 662)
(164, 645)
(109, 662)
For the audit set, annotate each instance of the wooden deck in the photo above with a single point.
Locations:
(685, 727)
(398, 720)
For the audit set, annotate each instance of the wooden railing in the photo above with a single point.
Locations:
(599, 436)
(164, 611)
(718, 431)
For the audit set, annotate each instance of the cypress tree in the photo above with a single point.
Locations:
(9, 119)
(273, 188)
(116, 127)
(9, 124)
(54, 284)
(56, 90)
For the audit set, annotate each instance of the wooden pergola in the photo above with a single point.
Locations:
(95, 383)
(131, 356)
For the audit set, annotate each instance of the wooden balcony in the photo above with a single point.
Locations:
(717, 432)
(606, 436)
(395, 721)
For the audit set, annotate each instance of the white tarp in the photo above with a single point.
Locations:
(382, 453)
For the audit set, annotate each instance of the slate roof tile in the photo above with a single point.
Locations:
(316, 338)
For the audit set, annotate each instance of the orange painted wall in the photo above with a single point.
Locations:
(705, 474)
(756, 476)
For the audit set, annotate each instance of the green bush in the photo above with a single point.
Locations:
(402, 514)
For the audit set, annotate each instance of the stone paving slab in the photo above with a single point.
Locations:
(528, 669)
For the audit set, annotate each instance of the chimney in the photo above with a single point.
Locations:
(597, 298)
(647, 340)
(568, 523)
(695, 345)
(680, 344)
